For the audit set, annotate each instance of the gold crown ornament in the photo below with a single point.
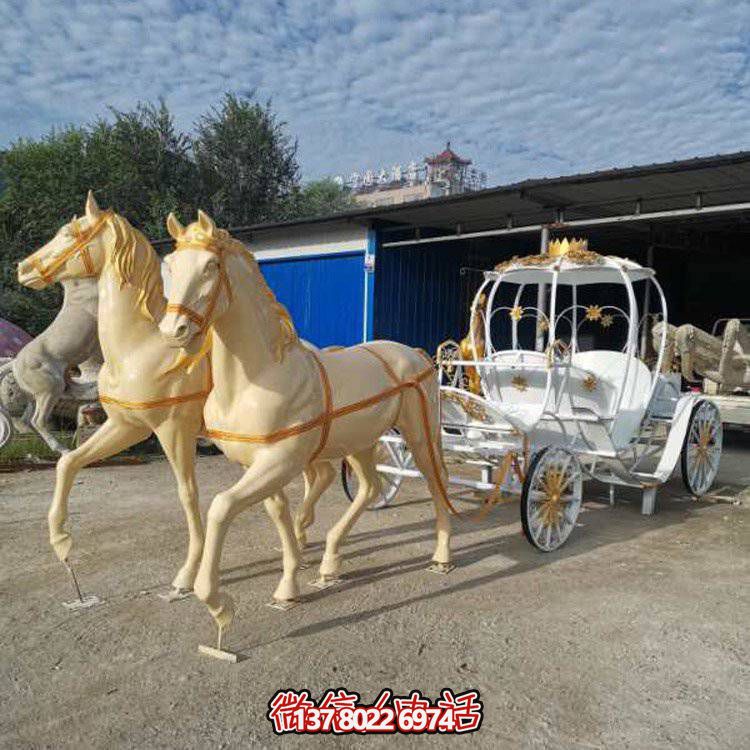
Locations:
(559, 248)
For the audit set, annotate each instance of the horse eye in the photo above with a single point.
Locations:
(210, 267)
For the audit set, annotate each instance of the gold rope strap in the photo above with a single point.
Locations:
(328, 400)
(386, 366)
(140, 405)
(82, 239)
(424, 409)
(298, 429)
(203, 321)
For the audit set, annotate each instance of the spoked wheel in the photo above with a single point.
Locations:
(6, 427)
(551, 498)
(391, 454)
(701, 451)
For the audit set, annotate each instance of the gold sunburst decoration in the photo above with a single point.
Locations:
(589, 383)
(606, 321)
(552, 506)
(703, 446)
(520, 383)
(516, 312)
(543, 325)
(593, 312)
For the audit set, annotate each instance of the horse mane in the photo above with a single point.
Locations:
(275, 312)
(135, 262)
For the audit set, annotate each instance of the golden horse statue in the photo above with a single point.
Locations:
(277, 406)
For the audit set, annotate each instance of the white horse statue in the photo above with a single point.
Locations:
(139, 393)
(276, 406)
(141, 387)
(42, 368)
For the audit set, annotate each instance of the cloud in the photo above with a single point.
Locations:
(523, 88)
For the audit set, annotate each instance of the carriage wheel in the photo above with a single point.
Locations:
(701, 451)
(551, 498)
(393, 454)
(6, 427)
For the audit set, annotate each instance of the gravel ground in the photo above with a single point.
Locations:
(634, 635)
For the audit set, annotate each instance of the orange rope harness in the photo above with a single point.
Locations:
(82, 240)
(326, 417)
(168, 401)
(140, 405)
(321, 419)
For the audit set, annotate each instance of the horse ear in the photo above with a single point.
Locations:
(174, 227)
(92, 207)
(206, 223)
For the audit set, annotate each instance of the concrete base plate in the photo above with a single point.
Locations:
(441, 568)
(175, 595)
(219, 653)
(282, 605)
(326, 583)
(88, 601)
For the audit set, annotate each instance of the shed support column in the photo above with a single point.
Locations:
(368, 318)
(645, 332)
(541, 299)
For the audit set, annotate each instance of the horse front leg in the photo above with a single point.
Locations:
(178, 441)
(112, 437)
(267, 476)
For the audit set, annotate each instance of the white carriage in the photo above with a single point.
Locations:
(566, 397)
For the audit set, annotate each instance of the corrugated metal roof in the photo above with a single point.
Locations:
(720, 179)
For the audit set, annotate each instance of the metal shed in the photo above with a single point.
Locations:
(406, 272)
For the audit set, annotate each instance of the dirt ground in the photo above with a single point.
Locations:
(634, 635)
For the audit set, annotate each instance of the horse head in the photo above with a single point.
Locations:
(76, 251)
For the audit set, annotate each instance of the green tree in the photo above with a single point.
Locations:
(317, 198)
(240, 165)
(246, 161)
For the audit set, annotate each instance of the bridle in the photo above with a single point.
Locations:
(81, 241)
(222, 280)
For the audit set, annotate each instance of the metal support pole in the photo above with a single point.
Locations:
(541, 297)
(646, 304)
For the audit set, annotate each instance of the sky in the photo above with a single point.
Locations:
(524, 88)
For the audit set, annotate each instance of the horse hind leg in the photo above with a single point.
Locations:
(39, 422)
(318, 479)
(425, 446)
(365, 467)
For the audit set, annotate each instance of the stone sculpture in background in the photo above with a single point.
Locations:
(58, 367)
(722, 360)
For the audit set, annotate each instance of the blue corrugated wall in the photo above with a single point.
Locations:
(421, 296)
(323, 293)
(418, 296)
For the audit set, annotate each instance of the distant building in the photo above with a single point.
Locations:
(445, 173)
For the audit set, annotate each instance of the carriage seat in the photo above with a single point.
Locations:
(601, 395)
(516, 388)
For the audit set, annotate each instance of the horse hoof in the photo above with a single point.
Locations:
(62, 544)
(287, 590)
(330, 566)
(184, 581)
(223, 614)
